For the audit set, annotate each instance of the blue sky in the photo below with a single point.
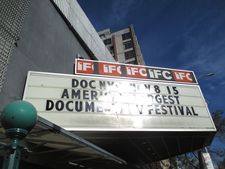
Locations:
(182, 34)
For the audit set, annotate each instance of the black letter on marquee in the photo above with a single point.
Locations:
(91, 84)
(188, 111)
(181, 109)
(102, 84)
(75, 82)
(147, 86)
(140, 111)
(195, 114)
(78, 106)
(49, 105)
(59, 105)
(164, 111)
(75, 94)
(65, 94)
(67, 106)
(83, 83)
(89, 107)
(94, 95)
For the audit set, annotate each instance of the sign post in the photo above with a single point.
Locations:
(17, 118)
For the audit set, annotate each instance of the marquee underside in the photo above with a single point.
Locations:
(145, 147)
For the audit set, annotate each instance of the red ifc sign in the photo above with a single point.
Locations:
(85, 66)
(181, 76)
(133, 71)
(136, 71)
(109, 69)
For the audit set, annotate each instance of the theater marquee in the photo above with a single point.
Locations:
(77, 102)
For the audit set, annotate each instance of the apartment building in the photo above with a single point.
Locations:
(123, 45)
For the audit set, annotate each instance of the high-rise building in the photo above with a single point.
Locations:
(123, 45)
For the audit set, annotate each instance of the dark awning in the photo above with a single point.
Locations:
(51, 146)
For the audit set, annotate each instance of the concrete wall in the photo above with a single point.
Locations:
(46, 44)
(119, 48)
(82, 25)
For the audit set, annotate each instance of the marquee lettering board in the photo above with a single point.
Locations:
(87, 103)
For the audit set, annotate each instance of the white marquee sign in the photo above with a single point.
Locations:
(77, 102)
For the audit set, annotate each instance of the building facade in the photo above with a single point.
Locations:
(123, 45)
(43, 36)
(47, 36)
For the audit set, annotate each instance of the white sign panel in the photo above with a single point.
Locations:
(77, 102)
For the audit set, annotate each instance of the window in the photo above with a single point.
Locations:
(127, 45)
(134, 62)
(111, 49)
(102, 36)
(129, 55)
(126, 36)
(107, 41)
